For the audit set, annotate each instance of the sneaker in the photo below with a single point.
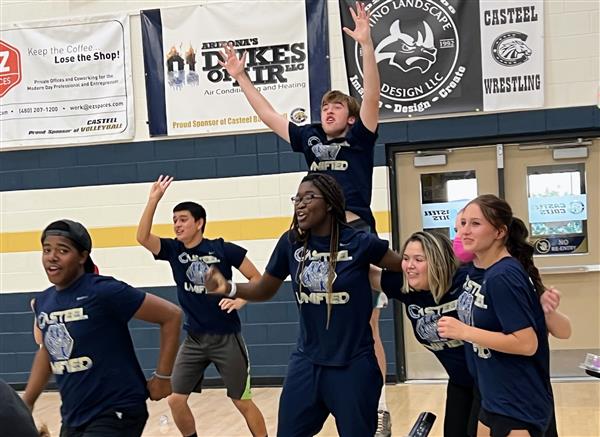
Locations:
(384, 424)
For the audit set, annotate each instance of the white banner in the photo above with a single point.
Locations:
(512, 53)
(66, 82)
(200, 96)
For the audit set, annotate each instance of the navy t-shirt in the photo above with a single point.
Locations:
(349, 335)
(471, 290)
(349, 160)
(202, 312)
(91, 353)
(513, 385)
(424, 313)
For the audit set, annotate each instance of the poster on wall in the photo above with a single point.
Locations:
(189, 92)
(65, 82)
(435, 57)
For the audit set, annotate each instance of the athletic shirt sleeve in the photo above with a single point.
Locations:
(234, 254)
(122, 299)
(295, 133)
(376, 247)
(510, 295)
(391, 285)
(363, 135)
(168, 249)
(279, 265)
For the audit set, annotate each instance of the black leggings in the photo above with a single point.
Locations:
(462, 410)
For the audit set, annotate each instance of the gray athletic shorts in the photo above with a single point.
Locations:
(227, 352)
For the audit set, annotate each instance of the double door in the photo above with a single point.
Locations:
(555, 190)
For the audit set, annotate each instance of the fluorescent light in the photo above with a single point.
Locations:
(570, 152)
(429, 160)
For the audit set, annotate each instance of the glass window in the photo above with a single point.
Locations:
(557, 204)
(442, 196)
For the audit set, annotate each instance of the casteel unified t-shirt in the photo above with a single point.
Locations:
(349, 333)
(349, 160)
(202, 312)
(85, 332)
(512, 385)
(424, 312)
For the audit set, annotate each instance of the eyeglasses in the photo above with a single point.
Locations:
(306, 199)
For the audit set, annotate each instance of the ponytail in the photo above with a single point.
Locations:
(518, 246)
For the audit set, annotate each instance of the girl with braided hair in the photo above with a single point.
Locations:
(506, 326)
(334, 369)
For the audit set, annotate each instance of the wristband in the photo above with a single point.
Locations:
(159, 376)
(233, 290)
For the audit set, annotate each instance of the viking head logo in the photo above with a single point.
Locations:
(403, 52)
(510, 49)
(196, 272)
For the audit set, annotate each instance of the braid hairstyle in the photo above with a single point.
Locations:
(334, 198)
(499, 213)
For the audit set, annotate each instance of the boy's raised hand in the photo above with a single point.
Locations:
(231, 62)
(160, 186)
(362, 31)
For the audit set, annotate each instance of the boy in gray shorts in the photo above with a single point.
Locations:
(211, 322)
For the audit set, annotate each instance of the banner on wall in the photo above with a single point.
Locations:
(66, 82)
(434, 56)
(512, 54)
(188, 91)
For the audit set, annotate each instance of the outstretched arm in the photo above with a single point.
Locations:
(144, 235)
(369, 109)
(391, 261)
(157, 310)
(260, 290)
(265, 111)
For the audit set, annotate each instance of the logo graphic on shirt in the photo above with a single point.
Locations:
(509, 49)
(426, 328)
(464, 308)
(314, 277)
(199, 265)
(426, 325)
(327, 154)
(58, 341)
(482, 352)
(196, 272)
(474, 288)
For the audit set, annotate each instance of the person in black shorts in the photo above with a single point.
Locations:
(507, 330)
